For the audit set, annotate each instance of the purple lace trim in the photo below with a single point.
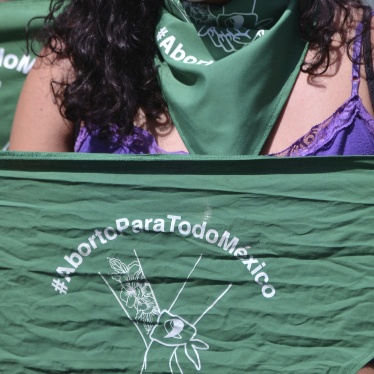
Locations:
(138, 142)
(348, 131)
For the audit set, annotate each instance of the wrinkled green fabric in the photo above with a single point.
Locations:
(183, 264)
(15, 63)
(227, 71)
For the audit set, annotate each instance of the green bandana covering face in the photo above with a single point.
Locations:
(226, 71)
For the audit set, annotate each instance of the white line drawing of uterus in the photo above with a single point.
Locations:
(166, 335)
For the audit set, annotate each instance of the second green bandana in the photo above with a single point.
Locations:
(15, 63)
(226, 71)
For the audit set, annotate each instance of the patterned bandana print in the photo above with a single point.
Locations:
(226, 71)
(230, 27)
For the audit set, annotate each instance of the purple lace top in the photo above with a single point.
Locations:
(349, 131)
(138, 142)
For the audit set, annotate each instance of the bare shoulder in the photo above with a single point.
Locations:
(315, 98)
(38, 124)
(368, 369)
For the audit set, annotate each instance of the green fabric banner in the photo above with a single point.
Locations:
(15, 63)
(180, 264)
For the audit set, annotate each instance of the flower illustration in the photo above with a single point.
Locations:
(136, 292)
(131, 294)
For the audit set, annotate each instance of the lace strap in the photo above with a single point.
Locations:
(368, 62)
(356, 60)
(363, 41)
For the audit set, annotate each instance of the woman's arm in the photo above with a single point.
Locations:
(38, 124)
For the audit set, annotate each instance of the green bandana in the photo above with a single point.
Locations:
(226, 71)
(186, 264)
(14, 62)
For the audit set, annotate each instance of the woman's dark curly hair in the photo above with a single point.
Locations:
(321, 20)
(111, 47)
